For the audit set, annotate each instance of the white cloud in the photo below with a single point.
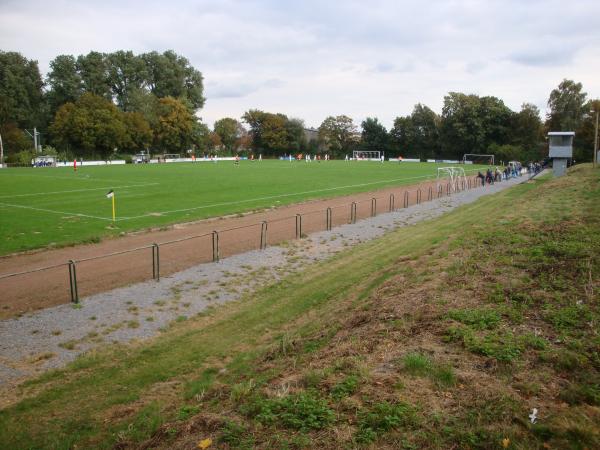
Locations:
(316, 58)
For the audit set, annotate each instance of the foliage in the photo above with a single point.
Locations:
(566, 106)
(338, 134)
(374, 136)
(174, 131)
(383, 417)
(230, 133)
(91, 125)
(20, 91)
(64, 82)
(301, 411)
(274, 133)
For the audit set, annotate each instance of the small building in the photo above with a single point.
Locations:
(560, 150)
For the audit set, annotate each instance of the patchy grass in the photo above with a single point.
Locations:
(442, 335)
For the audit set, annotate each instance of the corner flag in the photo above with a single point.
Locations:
(111, 194)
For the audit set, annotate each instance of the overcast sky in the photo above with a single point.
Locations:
(310, 59)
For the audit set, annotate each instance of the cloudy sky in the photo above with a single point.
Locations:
(310, 59)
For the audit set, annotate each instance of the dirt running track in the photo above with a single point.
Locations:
(23, 293)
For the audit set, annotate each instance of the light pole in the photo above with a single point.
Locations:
(1, 153)
(596, 142)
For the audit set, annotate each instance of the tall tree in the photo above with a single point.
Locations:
(296, 138)
(425, 139)
(176, 124)
(462, 129)
(566, 105)
(93, 70)
(138, 134)
(21, 98)
(274, 134)
(338, 134)
(169, 74)
(230, 131)
(126, 74)
(402, 137)
(527, 132)
(90, 126)
(64, 81)
(374, 136)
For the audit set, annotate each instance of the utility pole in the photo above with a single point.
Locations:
(596, 142)
(1, 153)
(35, 139)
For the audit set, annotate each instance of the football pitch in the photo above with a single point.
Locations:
(42, 207)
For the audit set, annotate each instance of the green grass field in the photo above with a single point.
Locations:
(57, 206)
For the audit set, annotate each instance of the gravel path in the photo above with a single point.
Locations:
(53, 337)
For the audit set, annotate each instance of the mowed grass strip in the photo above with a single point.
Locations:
(56, 206)
(332, 329)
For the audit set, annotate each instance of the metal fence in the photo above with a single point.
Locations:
(70, 280)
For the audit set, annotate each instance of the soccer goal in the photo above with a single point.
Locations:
(454, 176)
(475, 158)
(363, 155)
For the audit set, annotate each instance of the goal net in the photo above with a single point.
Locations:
(453, 176)
(475, 158)
(371, 155)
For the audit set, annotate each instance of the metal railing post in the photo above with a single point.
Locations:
(373, 207)
(406, 199)
(440, 191)
(353, 212)
(448, 189)
(215, 246)
(73, 282)
(392, 202)
(155, 262)
(430, 194)
(263, 235)
(419, 195)
(298, 226)
(328, 219)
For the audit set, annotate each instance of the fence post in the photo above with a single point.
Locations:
(392, 202)
(373, 207)
(440, 190)
(430, 194)
(263, 235)
(419, 195)
(298, 226)
(328, 219)
(448, 189)
(469, 183)
(353, 212)
(215, 246)
(406, 199)
(73, 282)
(155, 262)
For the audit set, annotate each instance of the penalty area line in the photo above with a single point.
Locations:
(35, 194)
(62, 213)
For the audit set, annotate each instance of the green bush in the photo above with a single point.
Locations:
(383, 417)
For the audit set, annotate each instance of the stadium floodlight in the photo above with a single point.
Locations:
(1, 153)
(477, 158)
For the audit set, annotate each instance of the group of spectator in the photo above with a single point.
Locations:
(492, 176)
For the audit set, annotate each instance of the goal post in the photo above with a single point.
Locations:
(451, 175)
(366, 155)
(477, 158)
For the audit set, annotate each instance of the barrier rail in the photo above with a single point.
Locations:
(215, 236)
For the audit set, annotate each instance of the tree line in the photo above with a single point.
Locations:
(104, 105)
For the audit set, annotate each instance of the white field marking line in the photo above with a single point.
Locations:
(85, 177)
(56, 212)
(270, 197)
(78, 190)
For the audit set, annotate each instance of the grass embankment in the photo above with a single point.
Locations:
(441, 335)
